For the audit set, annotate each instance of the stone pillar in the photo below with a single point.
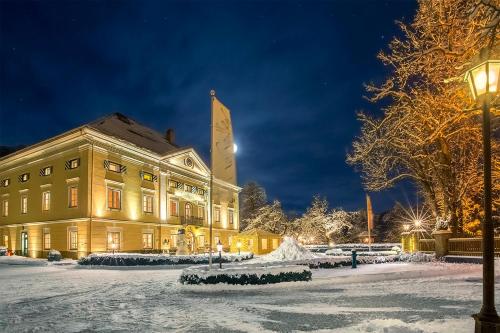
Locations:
(441, 238)
(405, 241)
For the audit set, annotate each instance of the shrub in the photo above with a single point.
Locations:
(244, 275)
(130, 259)
(54, 255)
(3, 251)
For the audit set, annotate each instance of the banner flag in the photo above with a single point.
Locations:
(369, 212)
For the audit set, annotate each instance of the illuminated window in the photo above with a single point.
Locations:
(24, 204)
(172, 183)
(263, 243)
(5, 182)
(46, 240)
(114, 198)
(47, 171)
(250, 243)
(201, 212)
(73, 239)
(112, 166)
(188, 210)
(147, 240)
(24, 177)
(5, 208)
(201, 191)
(6, 241)
(46, 200)
(275, 243)
(230, 216)
(72, 196)
(230, 240)
(174, 208)
(147, 176)
(114, 240)
(147, 203)
(73, 164)
(217, 214)
(216, 240)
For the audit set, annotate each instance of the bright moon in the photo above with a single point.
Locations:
(235, 147)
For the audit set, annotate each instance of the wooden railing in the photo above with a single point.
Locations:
(470, 246)
(426, 245)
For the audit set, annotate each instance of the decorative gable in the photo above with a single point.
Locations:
(188, 160)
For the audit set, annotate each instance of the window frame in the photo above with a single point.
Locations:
(76, 161)
(230, 216)
(114, 165)
(217, 214)
(109, 240)
(113, 190)
(5, 207)
(44, 208)
(149, 174)
(5, 182)
(24, 204)
(45, 234)
(144, 245)
(70, 202)
(25, 177)
(188, 207)
(145, 203)
(176, 202)
(44, 171)
(72, 232)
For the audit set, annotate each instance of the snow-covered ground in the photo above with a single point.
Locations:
(397, 297)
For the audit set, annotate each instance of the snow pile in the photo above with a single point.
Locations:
(19, 260)
(289, 250)
(245, 274)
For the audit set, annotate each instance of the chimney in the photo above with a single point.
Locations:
(170, 136)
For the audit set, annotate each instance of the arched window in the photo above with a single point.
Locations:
(188, 210)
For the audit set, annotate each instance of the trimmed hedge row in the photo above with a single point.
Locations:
(244, 279)
(117, 260)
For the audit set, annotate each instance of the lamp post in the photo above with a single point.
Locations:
(483, 83)
(219, 249)
(238, 245)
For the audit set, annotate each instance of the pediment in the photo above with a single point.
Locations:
(188, 160)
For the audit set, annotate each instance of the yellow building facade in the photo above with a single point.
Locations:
(256, 241)
(111, 185)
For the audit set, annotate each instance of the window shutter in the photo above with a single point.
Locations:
(106, 164)
(20, 178)
(67, 165)
(42, 172)
(123, 169)
(155, 178)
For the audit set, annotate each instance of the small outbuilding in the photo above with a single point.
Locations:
(255, 240)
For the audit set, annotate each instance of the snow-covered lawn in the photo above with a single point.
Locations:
(397, 297)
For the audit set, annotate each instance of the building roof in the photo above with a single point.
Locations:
(258, 232)
(124, 128)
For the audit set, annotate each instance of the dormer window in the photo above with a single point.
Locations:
(24, 177)
(47, 171)
(148, 176)
(115, 167)
(72, 164)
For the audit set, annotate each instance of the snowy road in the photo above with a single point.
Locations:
(385, 298)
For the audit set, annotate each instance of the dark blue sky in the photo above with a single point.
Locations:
(292, 73)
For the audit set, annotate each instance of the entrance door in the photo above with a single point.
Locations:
(24, 244)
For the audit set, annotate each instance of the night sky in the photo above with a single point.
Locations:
(292, 74)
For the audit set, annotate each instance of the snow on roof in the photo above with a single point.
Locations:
(124, 128)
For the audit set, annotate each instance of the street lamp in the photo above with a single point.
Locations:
(238, 245)
(418, 223)
(219, 249)
(483, 83)
(406, 227)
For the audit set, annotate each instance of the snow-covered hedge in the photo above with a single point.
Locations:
(3, 251)
(365, 247)
(335, 252)
(136, 259)
(245, 275)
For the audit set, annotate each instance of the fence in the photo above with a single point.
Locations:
(453, 246)
(426, 245)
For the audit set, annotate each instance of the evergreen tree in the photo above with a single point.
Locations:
(269, 218)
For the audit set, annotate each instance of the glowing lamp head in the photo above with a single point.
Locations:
(418, 223)
(219, 246)
(238, 244)
(483, 78)
(113, 246)
(235, 148)
(406, 227)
